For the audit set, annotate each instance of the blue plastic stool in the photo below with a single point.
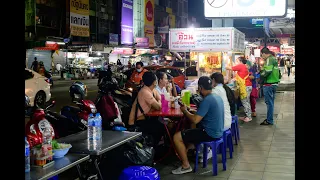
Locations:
(235, 128)
(214, 147)
(139, 173)
(54, 178)
(228, 142)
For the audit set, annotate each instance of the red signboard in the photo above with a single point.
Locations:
(275, 49)
(123, 51)
(287, 51)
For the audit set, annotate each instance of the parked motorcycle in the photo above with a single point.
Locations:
(79, 115)
(111, 102)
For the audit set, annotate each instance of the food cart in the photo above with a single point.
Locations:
(212, 48)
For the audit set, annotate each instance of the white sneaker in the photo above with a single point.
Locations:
(180, 170)
(208, 156)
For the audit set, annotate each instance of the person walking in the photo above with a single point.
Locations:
(34, 65)
(288, 64)
(282, 65)
(270, 74)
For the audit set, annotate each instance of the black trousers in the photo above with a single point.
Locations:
(153, 127)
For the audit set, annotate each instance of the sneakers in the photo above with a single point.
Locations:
(181, 170)
(265, 122)
(208, 156)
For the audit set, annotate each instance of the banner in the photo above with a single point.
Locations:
(142, 42)
(127, 22)
(202, 39)
(29, 10)
(79, 18)
(149, 21)
(113, 39)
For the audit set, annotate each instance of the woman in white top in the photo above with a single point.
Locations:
(217, 83)
(164, 85)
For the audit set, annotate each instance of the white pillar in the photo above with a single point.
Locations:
(222, 23)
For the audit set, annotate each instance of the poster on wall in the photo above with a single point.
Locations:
(127, 22)
(79, 18)
(149, 21)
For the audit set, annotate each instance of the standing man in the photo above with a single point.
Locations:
(281, 66)
(35, 65)
(270, 73)
(209, 120)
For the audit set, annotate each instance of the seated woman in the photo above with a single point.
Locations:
(165, 85)
(147, 99)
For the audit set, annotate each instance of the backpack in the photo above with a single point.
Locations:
(231, 99)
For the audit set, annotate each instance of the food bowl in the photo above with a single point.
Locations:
(59, 153)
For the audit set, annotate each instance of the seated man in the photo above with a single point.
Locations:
(210, 123)
(147, 99)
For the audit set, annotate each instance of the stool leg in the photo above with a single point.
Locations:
(235, 134)
(224, 157)
(225, 139)
(237, 128)
(230, 143)
(205, 155)
(197, 158)
(214, 160)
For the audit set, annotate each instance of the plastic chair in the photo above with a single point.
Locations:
(235, 129)
(214, 147)
(228, 142)
(139, 173)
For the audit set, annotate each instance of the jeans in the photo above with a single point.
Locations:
(246, 102)
(288, 71)
(269, 93)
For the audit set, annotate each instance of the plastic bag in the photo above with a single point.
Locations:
(139, 152)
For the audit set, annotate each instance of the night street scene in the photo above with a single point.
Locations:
(160, 89)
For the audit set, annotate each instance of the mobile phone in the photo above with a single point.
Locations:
(180, 103)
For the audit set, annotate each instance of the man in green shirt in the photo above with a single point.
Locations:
(270, 73)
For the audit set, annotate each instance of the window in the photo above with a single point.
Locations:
(28, 75)
(172, 72)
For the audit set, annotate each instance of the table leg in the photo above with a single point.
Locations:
(97, 168)
(79, 172)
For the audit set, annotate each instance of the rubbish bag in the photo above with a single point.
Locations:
(140, 151)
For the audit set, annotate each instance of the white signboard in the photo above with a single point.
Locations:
(244, 8)
(238, 41)
(205, 39)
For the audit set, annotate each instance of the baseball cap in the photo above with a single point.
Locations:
(205, 82)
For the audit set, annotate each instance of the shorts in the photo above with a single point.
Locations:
(196, 136)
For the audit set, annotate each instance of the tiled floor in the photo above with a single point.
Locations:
(264, 152)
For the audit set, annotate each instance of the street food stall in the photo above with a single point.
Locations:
(213, 49)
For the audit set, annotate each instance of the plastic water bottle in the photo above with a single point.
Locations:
(27, 155)
(94, 132)
(98, 125)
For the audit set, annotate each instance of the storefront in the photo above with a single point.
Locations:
(123, 54)
(213, 49)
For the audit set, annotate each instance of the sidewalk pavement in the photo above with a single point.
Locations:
(264, 152)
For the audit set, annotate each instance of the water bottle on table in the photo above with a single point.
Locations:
(94, 132)
(27, 155)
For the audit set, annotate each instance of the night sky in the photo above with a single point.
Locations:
(196, 9)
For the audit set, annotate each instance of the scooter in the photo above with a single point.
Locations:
(49, 79)
(107, 105)
(79, 115)
(37, 123)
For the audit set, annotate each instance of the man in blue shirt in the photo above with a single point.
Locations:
(209, 120)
